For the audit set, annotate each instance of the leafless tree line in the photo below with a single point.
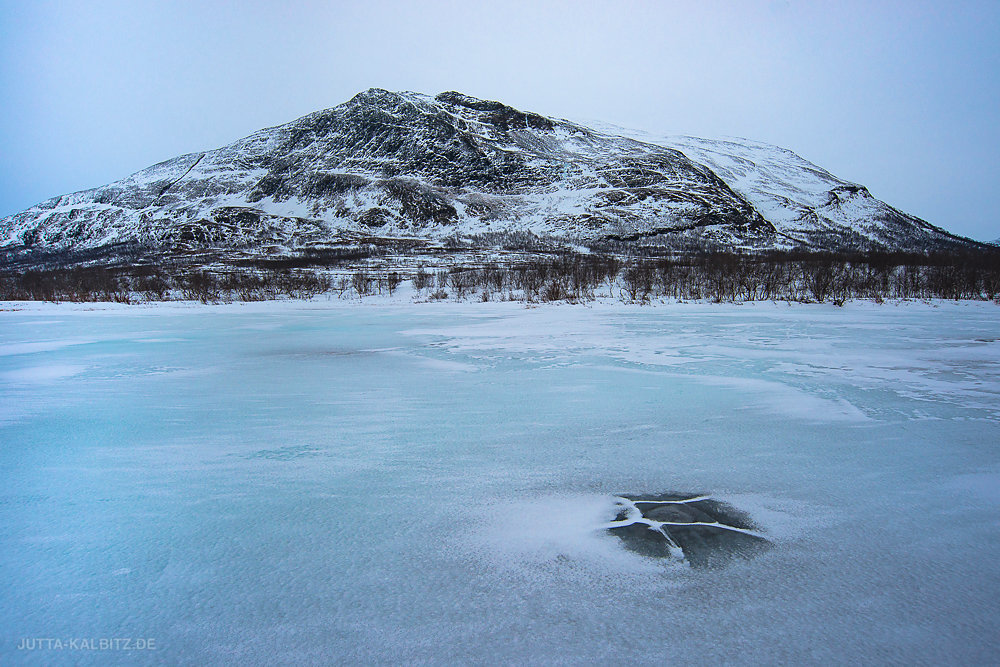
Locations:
(157, 284)
(719, 277)
(727, 277)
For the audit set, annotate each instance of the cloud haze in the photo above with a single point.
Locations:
(899, 96)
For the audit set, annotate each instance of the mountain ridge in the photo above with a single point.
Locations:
(408, 165)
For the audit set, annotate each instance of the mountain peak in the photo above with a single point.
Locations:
(496, 114)
(374, 96)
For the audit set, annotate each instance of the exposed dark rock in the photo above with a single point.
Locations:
(708, 546)
(374, 217)
(643, 539)
(708, 532)
(499, 115)
(679, 513)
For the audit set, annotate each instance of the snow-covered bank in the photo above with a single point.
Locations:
(385, 481)
(406, 296)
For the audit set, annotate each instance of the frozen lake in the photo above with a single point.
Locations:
(314, 482)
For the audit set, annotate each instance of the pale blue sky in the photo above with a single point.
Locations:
(900, 96)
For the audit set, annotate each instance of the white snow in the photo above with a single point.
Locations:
(41, 374)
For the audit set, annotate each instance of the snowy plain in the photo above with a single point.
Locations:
(324, 482)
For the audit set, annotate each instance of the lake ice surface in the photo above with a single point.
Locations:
(325, 482)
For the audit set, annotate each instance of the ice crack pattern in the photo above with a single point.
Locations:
(697, 529)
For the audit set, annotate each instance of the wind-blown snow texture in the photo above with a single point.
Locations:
(316, 483)
(409, 165)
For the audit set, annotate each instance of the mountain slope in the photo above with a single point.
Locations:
(392, 165)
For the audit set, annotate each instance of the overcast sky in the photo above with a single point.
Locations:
(900, 96)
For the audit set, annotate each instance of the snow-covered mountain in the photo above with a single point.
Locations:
(391, 165)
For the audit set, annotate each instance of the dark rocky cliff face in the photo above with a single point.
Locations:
(392, 165)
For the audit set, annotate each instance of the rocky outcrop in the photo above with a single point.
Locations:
(700, 530)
